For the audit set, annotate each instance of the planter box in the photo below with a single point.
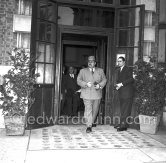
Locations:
(15, 125)
(149, 124)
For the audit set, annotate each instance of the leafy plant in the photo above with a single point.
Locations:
(150, 84)
(16, 92)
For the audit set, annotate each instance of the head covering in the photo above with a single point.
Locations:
(91, 58)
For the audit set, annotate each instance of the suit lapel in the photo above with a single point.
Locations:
(121, 73)
(124, 69)
(89, 71)
(71, 77)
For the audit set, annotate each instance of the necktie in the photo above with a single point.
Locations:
(92, 70)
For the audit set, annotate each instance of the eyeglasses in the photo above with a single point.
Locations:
(91, 61)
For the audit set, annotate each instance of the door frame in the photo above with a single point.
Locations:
(111, 49)
(58, 63)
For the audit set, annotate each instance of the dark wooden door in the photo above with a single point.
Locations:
(43, 48)
(129, 36)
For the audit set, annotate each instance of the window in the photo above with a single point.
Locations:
(102, 1)
(24, 7)
(128, 33)
(45, 42)
(84, 16)
(23, 40)
(124, 2)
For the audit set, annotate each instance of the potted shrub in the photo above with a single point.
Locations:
(16, 92)
(150, 84)
(163, 67)
(164, 116)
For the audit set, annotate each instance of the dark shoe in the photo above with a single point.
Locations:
(88, 130)
(116, 126)
(122, 129)
(94, 125)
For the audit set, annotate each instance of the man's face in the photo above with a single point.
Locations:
(91, 63)
(121, 62)
(71, 70)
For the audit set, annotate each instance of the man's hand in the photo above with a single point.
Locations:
(89, 84)
(78, 91)
(118, 86)
(97, 86)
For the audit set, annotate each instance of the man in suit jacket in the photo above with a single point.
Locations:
(71, 97)
(92, 80)
(125, 93)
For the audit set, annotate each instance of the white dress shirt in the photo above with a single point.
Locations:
(72, 76)
(92, 69)
(121, 68)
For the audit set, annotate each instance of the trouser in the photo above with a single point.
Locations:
(91, 111)
(125, 111)
(71, 105)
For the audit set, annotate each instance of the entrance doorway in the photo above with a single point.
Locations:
(75, 50)
(115, 29)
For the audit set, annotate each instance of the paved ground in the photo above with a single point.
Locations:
(13, 149)
(71, 144)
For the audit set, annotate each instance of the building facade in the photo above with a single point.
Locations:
(65, 32)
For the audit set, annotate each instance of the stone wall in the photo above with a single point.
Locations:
(7, 37)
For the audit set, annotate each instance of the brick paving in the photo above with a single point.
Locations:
(67, 143)
(102, 137)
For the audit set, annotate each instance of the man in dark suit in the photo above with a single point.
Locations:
(71, 97)
(124, 85)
